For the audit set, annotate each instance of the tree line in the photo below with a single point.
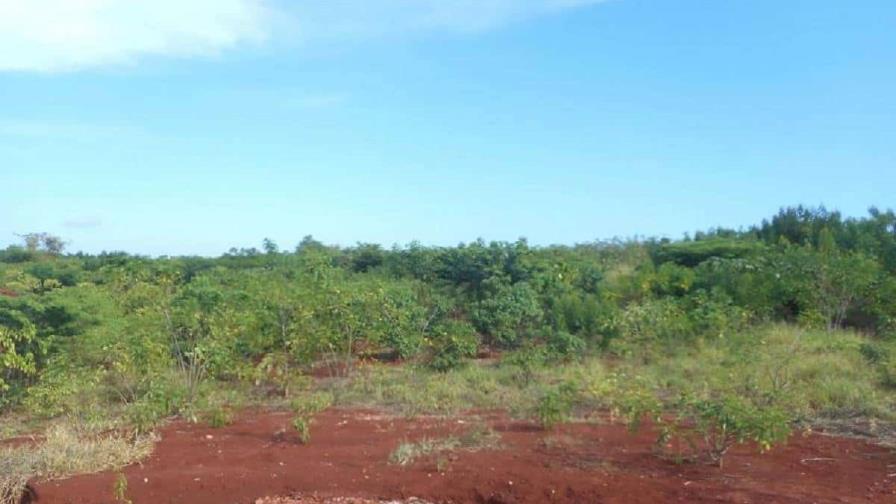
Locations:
(149, 333)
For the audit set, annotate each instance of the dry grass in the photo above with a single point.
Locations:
(66, 451)
(479, 437)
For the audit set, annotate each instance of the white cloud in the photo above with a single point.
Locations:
(54, 35)
(50, 35)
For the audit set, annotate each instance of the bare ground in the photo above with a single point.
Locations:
(258, 459)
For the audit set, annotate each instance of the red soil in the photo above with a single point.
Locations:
(580, 463)
(8, 292)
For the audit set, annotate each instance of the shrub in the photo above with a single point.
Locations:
(312, 404)
(507, 312)
(731, 420)
(302, 425)
(526, 361)
(14, 363)
(655, 321)
(587, 316)
(555, 406)
(712, 426)
(275, 373)
(565, 346)
(305, 408)
(219, 417)
(452, 342)
(630, 398)
(714, 315)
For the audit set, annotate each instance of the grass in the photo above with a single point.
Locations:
(815, 377)
(407, 452)
(477, 438)
(66, 451)
(412, 391)
(812, 374)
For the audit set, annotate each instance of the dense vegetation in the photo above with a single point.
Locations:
(791, 320)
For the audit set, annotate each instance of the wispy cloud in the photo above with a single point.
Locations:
(58, 35)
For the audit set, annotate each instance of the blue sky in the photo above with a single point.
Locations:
(175, 127)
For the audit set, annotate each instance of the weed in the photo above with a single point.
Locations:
(406, 453)
(302, 425)
(120, 489)
(66, 451)
(305, 408)
(219, 417)
(478, 437)
(311, 404)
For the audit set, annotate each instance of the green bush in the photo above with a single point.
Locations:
(555, 406)
(219, 417)
(565, 346)
(526, 361)
(644, 326)
(730, 420)
(508, 312)
(452, 343)
(311, 404)
(305, 407)
(302, 426)
(16, 364)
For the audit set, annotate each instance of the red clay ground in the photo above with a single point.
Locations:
(580, 463)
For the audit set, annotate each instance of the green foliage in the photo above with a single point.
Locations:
(143, 339)
(452, 342)
(658, 321)
(555, 405)
(120, 489)
(729, 420)
(407, 453)
(302, 426)
(508, 313)
(630, 398)
(586, 316)
(15, 362)
(565, 346)
(478, 437)
(526, 361)
(827, 283)
(219, 417)
(673, 279)
(692, 253)
(305, 407)
(311, 404)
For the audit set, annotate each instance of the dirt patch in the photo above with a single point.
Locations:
(8, 292)
(310, 499)
(580, 463)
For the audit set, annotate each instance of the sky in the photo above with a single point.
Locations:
(171, 127)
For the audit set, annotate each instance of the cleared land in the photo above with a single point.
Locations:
(349, 459)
